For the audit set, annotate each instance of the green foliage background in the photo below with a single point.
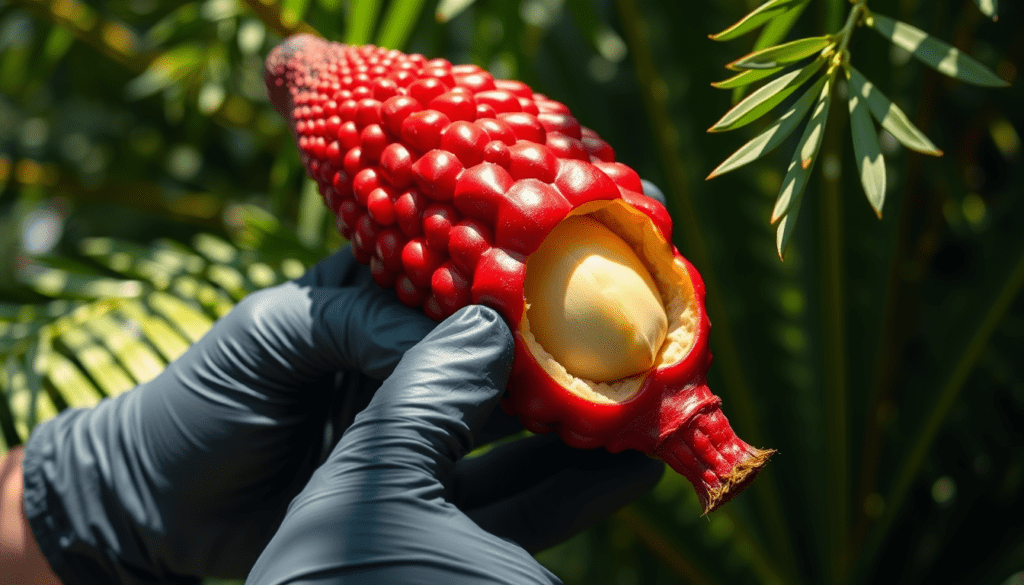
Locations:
(146, 185)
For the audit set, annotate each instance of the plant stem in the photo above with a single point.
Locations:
(834, 355)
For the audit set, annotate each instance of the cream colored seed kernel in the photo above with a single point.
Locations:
(592, 303)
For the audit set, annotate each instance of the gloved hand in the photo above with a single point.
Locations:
(190, 474)
(393, 503)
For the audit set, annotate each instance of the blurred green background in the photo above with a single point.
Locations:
(146, 186)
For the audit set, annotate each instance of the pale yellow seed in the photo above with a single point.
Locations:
(592, 304)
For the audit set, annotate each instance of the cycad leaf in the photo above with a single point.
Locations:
(186, 318)
(989, 8)
(937, 54)
(781, 54)
(362, 20)
(74, 387)
(765, 98)
(787, 206)
(745, 78)
(401, 16)
(122, 339)
(867, 151)
(754, 19)
(889, 115)
(774, 135)
(157, 330)
(97, 361)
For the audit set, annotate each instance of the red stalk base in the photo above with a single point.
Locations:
(700, 444)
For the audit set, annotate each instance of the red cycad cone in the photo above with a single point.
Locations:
(458, 188)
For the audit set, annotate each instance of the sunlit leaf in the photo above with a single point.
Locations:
(156, 329)
(756, 18)
(765, 98)
(935, 53)
(75, 388)
(747, 77)
(787, 206)
(774, 135)
(783, 54)
(889, 115)
(449, 9)
(180, 65)
(123, 340)
(780, 26)
(867, 151)
(989, 8)
(97, 361)
(398, 22)
(362, 21)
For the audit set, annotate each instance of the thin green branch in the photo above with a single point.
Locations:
(834, 356)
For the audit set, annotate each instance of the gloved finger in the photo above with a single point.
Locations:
(376, 511)
(299, 331)
(423, 418)
(539, 492)
(652, 191)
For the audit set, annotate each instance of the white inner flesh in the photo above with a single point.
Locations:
(612, 382)
(602, 316)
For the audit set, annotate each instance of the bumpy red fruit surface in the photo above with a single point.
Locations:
(448, 183)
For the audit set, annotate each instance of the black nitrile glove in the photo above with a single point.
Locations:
(390, 503)
(190, 474)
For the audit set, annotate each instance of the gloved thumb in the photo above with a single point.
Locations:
(423, 418)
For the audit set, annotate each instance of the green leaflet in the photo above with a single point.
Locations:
(398, 23)
(745, 78)
(772, 137)
(937, 54)
(781, 25)
(787, 206)
(756, 18)
(765, 98)
(783, 54)
(989, 8)
(360, 24)
(889, 115)
(867, 151)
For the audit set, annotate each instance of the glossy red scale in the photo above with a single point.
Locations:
(396, 165)
(466, 141)
(456, 105)
(524, 126)
(373, 141)
(380, 207)
(436, 174)
(364, 182)
(467, 241)
(450, 288)
(420, 261)
(422, 130)
(395, 110)
(480, 190)
(438, 219)
(529, 160)
(408, 210)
